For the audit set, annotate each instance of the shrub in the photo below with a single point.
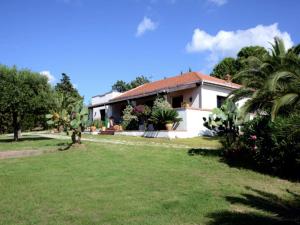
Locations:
(273, 147)
(223, 121)
(161, 117)
(161, 103)
(97, 123)
(130, 121)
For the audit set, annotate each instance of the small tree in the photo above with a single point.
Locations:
(75, 122)
(224, 122)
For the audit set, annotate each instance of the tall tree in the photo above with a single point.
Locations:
(23, 94)
(139, 81)
(256, 51)
(122, 86)
(227, 66)
(67, 93)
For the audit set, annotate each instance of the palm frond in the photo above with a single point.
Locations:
(282, 101)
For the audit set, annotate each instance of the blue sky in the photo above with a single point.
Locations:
(98, 42)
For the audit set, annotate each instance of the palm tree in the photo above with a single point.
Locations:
(286, 84)
(263, 78)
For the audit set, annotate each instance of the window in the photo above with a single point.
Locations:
(176, 101)
(220, 101)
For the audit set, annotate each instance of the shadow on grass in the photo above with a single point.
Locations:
(244, 162)
(266, 209)
(63, 146)
(204, 152)
(10, 139)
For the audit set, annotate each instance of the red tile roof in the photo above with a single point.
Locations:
(172, 82)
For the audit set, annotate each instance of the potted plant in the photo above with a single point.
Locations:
(165, 117)
(185, 105)
(92, 128)
(169, 125)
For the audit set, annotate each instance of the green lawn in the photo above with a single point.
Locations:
(209, 142)
(127, 184)
(28, 142)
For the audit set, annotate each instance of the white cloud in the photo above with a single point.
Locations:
(218, 2)
(228, 43)
(145, 25)
(51, 78)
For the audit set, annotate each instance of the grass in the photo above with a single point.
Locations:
(211, 142)
(28, 142)
(126, 184)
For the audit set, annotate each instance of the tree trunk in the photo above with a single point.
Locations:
(79, 138)
(17, 126)
(73, 137)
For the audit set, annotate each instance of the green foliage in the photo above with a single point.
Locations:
(227, 66)
(66, 95)
(256, 51)
(122, 86)
(233, 66)
(97, 123)
(224, 122)
(164, 116)
(138, 81)
(76, 121)
(273, 147)
(161, 103)
(271, 82)
(130, 121)
(24, 98)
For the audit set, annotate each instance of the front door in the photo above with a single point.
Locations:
(102, 114)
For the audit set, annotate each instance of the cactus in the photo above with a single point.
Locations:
(75, 122)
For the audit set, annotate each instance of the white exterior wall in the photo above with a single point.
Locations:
(210, 93)
(96, 112)
(192, 122)
(193, 93)
(102, 99)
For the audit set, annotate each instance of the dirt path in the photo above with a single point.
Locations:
(120, 142)
(125, 142)
(21, 153)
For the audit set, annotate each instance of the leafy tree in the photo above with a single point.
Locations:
(122, 86)
(256, 51)
(233, 66)
(139, 81)
(23, 94)
(68, 94)
(227, 66)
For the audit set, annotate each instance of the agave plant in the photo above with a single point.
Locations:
(165, 116)
(75, 122)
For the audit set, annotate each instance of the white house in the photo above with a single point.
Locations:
(100, 108)
(192, 94)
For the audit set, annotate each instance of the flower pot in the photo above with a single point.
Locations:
(103, 129)
(169, 126)
(92, 128)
